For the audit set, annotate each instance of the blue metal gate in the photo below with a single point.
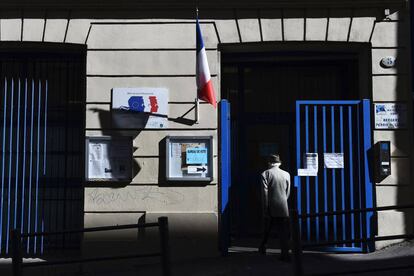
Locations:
(342, 127)
(42, 115)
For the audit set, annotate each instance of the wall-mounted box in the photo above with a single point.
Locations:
(108, 159)
(189, 158)
(382, 160)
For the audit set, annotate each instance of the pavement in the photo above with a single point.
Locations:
(393, 260)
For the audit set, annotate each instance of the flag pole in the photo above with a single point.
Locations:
(196, 99)
(196, 110)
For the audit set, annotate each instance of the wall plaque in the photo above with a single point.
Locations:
(390, 115)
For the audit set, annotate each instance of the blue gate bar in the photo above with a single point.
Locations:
(225, 134)
(44, 157)
(359, 172)
(307, 177)
(333, 171)
(10, 165)
(341, 135)
(325, 182)
(42, 237)
(298, 182)
(39, 108)
(368, 181)
(24, 153)
(2, 163)
(315, 141)
(17, 154)
(351, 173)
(45, 130)
(29, 226)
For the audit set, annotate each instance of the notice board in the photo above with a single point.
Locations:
(189, 158)
(108, 159)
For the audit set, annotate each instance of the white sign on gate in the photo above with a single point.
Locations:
(310, 160)
(390, 115)
(334, 160)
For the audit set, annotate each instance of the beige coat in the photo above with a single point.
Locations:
(276, 185)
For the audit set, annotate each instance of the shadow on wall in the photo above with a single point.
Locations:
(404, 138)
(126, 123)
(107, 120)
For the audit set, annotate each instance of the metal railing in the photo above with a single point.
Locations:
(297, 246)
(164, 254)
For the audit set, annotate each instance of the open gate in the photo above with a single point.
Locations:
(342, 127)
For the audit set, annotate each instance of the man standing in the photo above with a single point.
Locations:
(276, 185)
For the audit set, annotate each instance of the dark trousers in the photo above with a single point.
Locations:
(283, 231)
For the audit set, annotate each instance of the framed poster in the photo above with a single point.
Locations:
(108, 159)
(189, 158)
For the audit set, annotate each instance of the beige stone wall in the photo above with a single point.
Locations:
(122, 53)
(127, 54)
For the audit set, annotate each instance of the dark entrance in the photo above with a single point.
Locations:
(42, 122)
(262, 89)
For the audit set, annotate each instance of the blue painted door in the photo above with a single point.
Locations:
(342, 127)
(225, 175)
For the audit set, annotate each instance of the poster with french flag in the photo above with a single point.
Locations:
(205, 88)
(140, 107)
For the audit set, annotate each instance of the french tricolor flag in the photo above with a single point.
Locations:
(205, 88)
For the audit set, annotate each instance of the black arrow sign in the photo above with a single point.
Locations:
(203, 169)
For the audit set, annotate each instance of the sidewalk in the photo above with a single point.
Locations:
(244, 261)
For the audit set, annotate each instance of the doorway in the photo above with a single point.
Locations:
(262, 88)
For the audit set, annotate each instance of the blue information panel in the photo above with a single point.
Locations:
(196, 155)
(189, 158)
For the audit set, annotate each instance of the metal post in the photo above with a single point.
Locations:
(297, 246)
(165, 247)
(141, 230)
(16, 252)
(196, 103)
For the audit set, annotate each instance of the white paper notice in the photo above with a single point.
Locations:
(95, 151)
(176, 150)
(307, 172)
(109, 159)
(311, 161)
(333, 160)
(95, 169)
